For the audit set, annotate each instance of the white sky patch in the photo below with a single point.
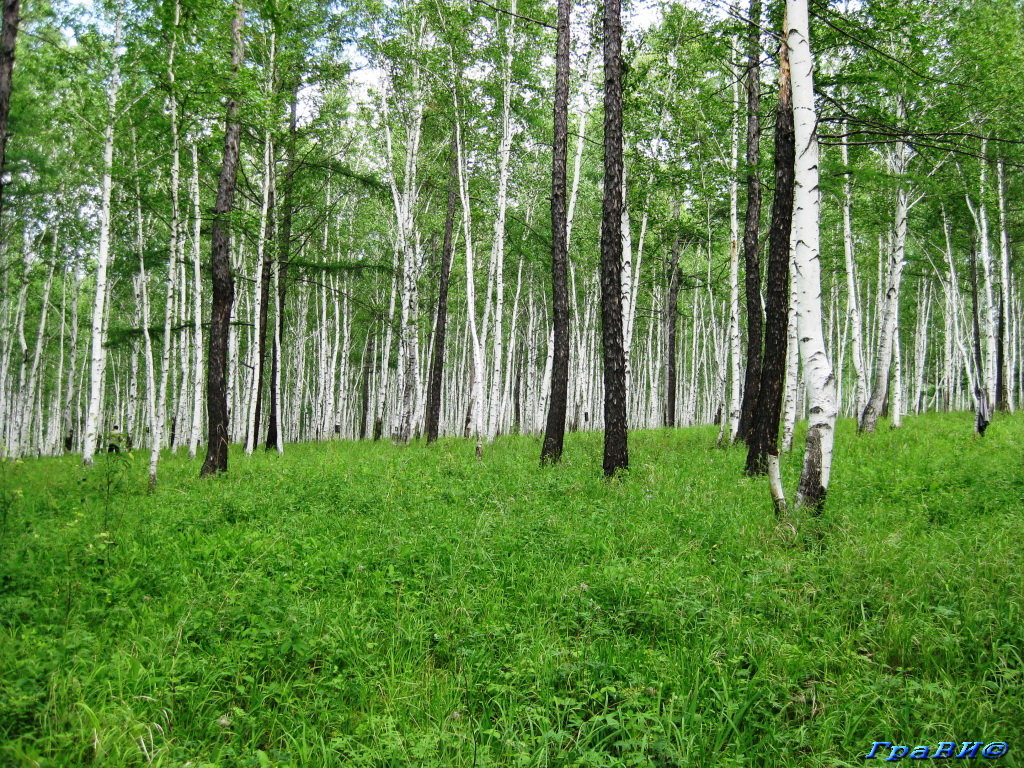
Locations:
(645, 14)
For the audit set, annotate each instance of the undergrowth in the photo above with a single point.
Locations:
(368, 605)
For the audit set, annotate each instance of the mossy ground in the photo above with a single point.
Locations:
(371, 605)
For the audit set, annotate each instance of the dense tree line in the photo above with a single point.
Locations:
(272, 222)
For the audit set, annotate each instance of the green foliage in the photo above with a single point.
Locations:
(368, 605)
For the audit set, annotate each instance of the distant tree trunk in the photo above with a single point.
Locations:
(890, 305)
(852, 301)
(494, 406)
(265, 278)
(367, 373)
(475, 410)
(1004, 372)
(67, 422)
(671, 325)
(554, 434)
(820, 378)
(160, 401)
(197, 311)
(981, 397)
(752, 225)
(1000, 395)
(616, 452)
(8, 39)
(763, 439)
(98, 365)
(274, 439)
(433, 416)
(261, 295)
(223, 295)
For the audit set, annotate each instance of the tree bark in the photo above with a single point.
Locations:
(554, 433)
(751, 226)
(820, 379)
(223, 294)
(433, 416)
(8, 40)
(616, 452)
(763, 439)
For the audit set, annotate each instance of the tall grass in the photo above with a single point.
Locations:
(364, 604)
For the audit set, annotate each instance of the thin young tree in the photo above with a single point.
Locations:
(554, 433)
(223, 293)
(616, 451)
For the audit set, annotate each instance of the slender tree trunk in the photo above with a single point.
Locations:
(197, 318)
(671, 312)
(68, 423)
(764, 429)
(223, 282)
(554, 433)
(616, 452)
(852, 301)
(433, 415)
(983, 408)
(752, 225)
(732, 329)
(160, 407)
(1004, 373)
(274, 440)
(261, 295)
(99, 353)
(889, 306)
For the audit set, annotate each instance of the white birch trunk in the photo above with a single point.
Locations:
(98, 361)
(821, 383)
(197, 317)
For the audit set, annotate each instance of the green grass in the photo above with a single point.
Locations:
(363, 604)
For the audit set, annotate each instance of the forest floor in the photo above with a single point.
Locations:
(373, 605)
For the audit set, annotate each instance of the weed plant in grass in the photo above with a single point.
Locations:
(368, 605)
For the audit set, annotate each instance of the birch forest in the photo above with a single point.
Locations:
(456, 383)
(337, 215)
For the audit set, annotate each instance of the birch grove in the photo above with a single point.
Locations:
(394, 268)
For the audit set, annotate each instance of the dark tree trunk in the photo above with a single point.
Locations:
(763, 437)
(223, 281)
(433, 416)
(554, 433)
(984, 411)
(752, 225)
(671, 313)
(8, 39)
(283, 257)
(616, 452)
(517, 402)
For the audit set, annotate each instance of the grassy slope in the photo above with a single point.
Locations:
(369, 605)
